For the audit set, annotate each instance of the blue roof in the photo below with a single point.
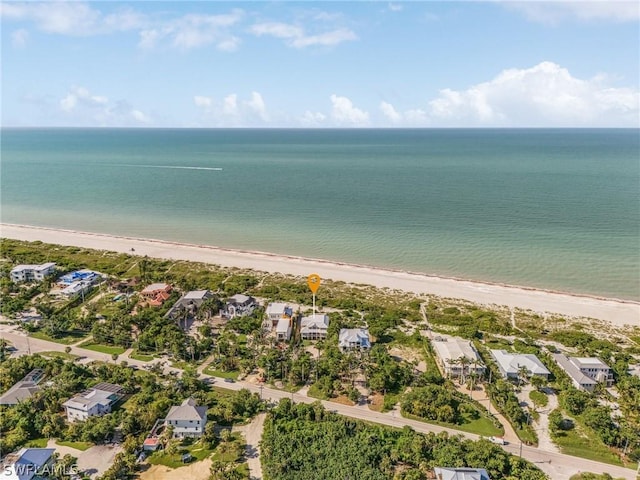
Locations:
(31, 460)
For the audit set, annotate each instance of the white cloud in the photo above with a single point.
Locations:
(395, 7)
(312, 119)
(201, 101)
(390, 112)
(229, 44)
(230, 104)
(19, 37)
(544, 95)
(296, 37)
(192, 31)
(585, 10)
(140, 117)
(80, 96)
(71, 18)
(256, 104)
(81, 107)
(344, 113)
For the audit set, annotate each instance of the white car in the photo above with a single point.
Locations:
(497, 440)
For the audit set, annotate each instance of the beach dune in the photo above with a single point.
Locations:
(617, 312)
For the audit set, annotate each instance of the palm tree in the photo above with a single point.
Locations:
(523, 374)
(463, 362)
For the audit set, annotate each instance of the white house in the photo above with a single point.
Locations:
(585, 373)
(510, 364)
(443, 473)
(27, 463)
(24, 389)
(354, 339)
(187, 419)
(314, 327)
(96, 401)
(283, 329)
(239, 306)
(450, 350)
(275, 311)
(31, 273)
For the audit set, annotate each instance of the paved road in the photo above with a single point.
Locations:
(558, 466)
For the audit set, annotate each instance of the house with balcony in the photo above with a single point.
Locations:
(314, 327)
(96, 401)
(32, 273)
(585, 372)
(239, 306)
(354, 339)
(457, 356)
(187, 419)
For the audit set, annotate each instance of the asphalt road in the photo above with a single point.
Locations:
(558, 466)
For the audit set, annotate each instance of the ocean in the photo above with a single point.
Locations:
(556, 209)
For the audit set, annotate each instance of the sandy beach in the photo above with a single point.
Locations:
(617, 312)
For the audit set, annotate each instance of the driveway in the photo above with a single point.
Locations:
(96, 460)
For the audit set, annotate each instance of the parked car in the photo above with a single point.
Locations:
(229, 380)
(497, 440)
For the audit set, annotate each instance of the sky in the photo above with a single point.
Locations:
(320, 64)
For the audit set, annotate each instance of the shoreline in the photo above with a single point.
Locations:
(619, 312)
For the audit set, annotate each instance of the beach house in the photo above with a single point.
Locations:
(445, 473)
(585, 372)
(283, 329)
(23, 389)
(314, 327)
(32, 273)
(350, 339)
(510, 364)
(156, 293)
(188, 419)
(239, 306)
(28, 463)
(275, 311)
(457, 356)
(96, 401)
(190, 302)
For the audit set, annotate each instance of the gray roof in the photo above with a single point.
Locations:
(572, 370)
(452, 348)
(188, 410)
(23, 389)
(348, 336)
(443, 473)
(511, 362)
(198, 295)
(240, 298)
(314, 323)
(103, 393)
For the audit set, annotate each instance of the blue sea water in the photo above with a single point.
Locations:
(556, 209)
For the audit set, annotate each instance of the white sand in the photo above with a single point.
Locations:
(619, 313)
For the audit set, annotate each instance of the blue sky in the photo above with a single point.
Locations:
(321, 64)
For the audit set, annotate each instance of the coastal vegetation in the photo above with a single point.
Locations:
(400, 369)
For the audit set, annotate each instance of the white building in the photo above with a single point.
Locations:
(187, 419)
(31, 273)
(96, 401)
(585, 373)
(354, 339)
(283, 329)
(239, 306)
(275, 311)
(314, 327)
(509, 364)
(27, 463)
(450, 351)
(443, 473)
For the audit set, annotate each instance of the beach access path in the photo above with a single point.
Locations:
(617, 312)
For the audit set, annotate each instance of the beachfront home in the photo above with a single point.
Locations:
(156, 293)
(27, 463)
(96, 401)
(585, 373)
(314, 327)
(23, 389)
(32, 273)
(457, 356)
(283, 329)
(85, 275)
(275, 311)
(443, 473)
(510, 364)
(190, 302)
(354, 339)
(188, 419)
(239, 306)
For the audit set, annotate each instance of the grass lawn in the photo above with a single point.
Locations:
(143, 357)
(65, 355)
(538, 398)
(315, 393)
(98, 347)
(219, 373)
(197, 451)
(571, 442)
(37, 443)
(77, 445)
(66, 340)
(480, 426)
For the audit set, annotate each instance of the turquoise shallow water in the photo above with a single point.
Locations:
(554, 209)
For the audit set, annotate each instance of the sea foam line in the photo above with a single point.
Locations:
(176, 167)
